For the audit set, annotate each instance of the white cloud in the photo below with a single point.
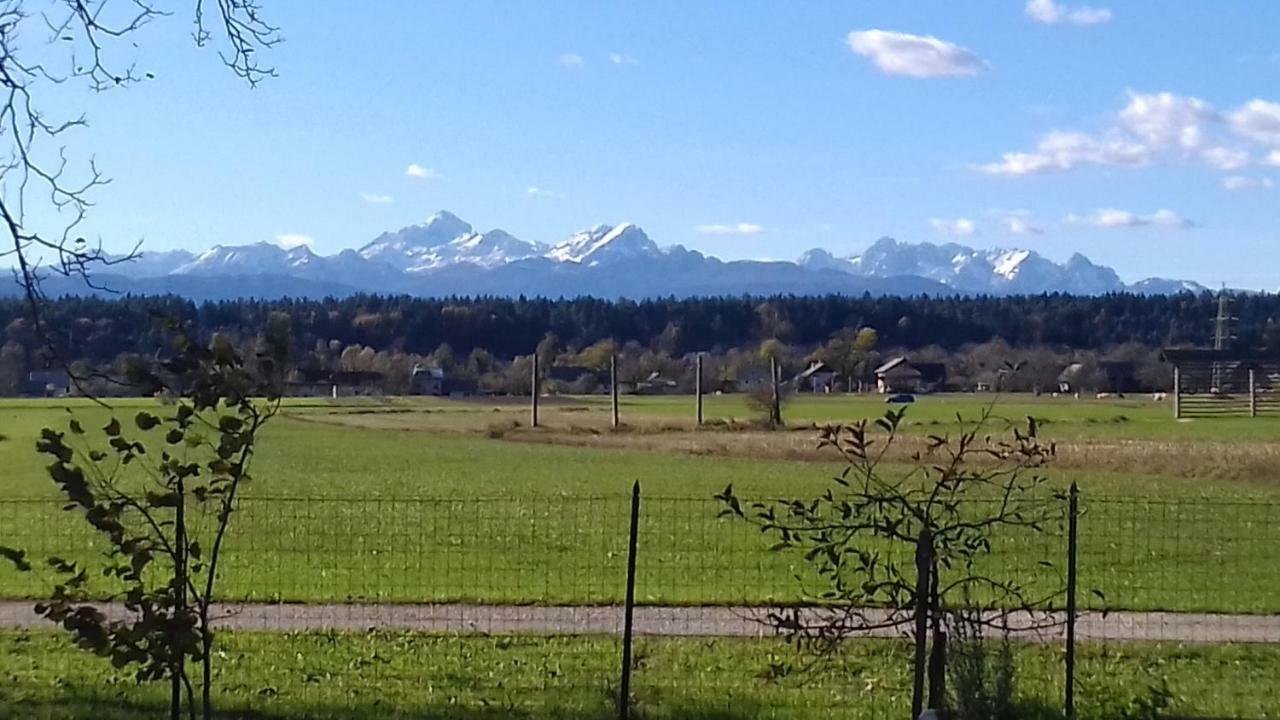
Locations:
(289, 241)
(1257, 120)
(376, 199)
(1236, 183)
(537, 192)
(622, 59)
(572, 61)
(422, 173)
(1152, 127)
(919, 56)
(1112, 218)
(960, 227)
(1018, 222)
(1051, 13)
(1022, 226)
(1164, 120)
(1223, 158)
(742, 228)
(1273, 159)
(1058, 151)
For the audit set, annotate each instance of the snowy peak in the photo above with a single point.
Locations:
(445, 255)
(819, 259)
(970, 270)
(445, 240)
(605, 244)
(258, 258)
(487, 250)
(407, 245)
(148, 263)
(1006, 264)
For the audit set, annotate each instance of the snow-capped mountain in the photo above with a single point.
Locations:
(447, 256)
(444, 240)
(995, 272)
(148, 263)
(603, 244)
(407, 247)
(259, 258)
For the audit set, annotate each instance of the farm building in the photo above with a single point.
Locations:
(1215, 383)
(817, 378)
(1118, 376)
(901, 375)
(47, 383)
(427, 380)
(655, 384)
(338, 383)
(752, 378)
(992, 380)
(577, 379)
(1071, 379)
(435, 381)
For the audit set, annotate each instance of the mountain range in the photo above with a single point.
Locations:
(446, 256)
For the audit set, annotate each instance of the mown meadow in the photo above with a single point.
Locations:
(416, 500)
(435, 500)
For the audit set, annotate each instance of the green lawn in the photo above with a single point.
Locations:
(382, 675)
(378, 514)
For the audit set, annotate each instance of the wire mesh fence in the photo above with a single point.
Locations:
(476, 607)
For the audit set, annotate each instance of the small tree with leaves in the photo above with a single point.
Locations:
(897, 548)
(161, 490)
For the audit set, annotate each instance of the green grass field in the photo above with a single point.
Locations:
(411, 500)
(403, 675)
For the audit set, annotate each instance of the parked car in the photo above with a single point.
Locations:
(901, 398)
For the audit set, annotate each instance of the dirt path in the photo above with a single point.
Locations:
(672, 621)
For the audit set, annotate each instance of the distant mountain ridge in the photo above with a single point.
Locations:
(446, 256)
(989, 272)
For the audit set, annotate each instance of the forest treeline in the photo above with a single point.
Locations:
(98, 331)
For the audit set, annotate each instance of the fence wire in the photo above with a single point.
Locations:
(513, 607)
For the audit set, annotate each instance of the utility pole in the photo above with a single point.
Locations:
(1221, 338)
(1222, 323)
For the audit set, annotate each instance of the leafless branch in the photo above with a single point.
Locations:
(45, 197)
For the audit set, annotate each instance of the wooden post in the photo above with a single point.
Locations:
(1073, 547)
(535, 384)
(1253, 395)
(613, 387)
(697, 389)
(1177, 393)
(775, 409)
(624, 693)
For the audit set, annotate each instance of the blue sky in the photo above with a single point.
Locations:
(1137, 133)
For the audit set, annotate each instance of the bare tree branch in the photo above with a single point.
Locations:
(45, 197)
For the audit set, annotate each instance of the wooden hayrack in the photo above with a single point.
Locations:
(1224, 383)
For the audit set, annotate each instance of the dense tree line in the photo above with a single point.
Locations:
(479, 332)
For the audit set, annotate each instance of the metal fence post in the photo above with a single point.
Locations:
(624, 692)
(180, 581)
(924, 574)
(1073, 548)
